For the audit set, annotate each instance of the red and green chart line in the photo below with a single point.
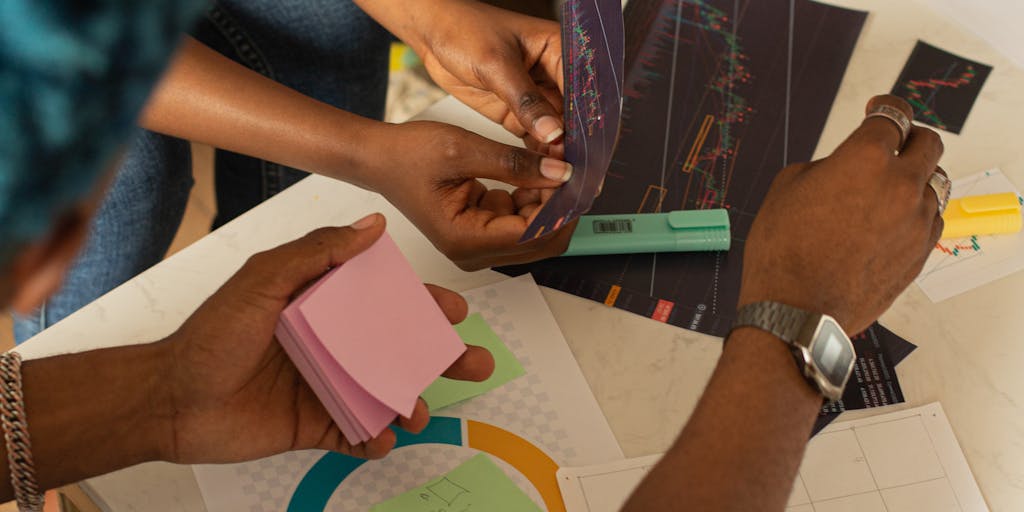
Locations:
(921, 94)
(958, 249)
(734, 109)
(583, 74)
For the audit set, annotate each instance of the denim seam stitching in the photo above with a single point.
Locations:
(252, 57)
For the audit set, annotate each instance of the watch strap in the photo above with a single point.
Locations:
(782, 320)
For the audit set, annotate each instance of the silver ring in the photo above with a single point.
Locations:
(898, 118)
(942, 186)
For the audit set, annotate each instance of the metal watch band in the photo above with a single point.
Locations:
(782, 320)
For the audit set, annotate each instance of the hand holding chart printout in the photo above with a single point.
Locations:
(592, 36)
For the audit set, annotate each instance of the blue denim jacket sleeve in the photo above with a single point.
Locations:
(73, 77)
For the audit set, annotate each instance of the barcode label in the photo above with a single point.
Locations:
(613, 226)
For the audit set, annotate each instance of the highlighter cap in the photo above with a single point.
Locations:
(699, 219)
(990, 214)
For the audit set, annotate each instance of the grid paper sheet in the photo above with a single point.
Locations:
(905, 461)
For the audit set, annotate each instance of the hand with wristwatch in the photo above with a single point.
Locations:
(834, 243)
(809, 300)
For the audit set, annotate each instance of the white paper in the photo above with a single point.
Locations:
(996, 21)
(550, 406)
(964, 264)
(905, 461)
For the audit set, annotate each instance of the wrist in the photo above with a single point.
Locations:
(94, 412)
(768, 360)
(164, 405)
(377, 155)
(350, 148)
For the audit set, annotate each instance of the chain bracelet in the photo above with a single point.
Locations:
(15, 427)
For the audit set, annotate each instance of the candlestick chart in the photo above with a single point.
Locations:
(940, 86)
(592, 61)
(719, 95)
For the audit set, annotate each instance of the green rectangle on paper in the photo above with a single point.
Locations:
(478, 485)
(475, 331)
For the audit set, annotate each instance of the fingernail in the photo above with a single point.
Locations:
(366, 222)
(548, 128)
(555, 169)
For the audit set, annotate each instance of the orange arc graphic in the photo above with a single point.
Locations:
(534, 464)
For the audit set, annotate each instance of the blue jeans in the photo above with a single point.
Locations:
(327, 49)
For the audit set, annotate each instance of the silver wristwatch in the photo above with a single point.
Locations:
(822, 350)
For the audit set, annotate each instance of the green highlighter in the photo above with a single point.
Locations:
(631, 233)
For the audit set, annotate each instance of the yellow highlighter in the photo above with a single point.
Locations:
(990, 214)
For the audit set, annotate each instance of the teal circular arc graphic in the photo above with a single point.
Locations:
(319, 483)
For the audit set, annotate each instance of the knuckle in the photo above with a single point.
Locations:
(515, 163)
(493, 60)
(530, 101)
(874, 155)
(450, 146)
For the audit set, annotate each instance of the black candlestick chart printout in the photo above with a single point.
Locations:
(592, 63)
(719, 96)
(941, 87)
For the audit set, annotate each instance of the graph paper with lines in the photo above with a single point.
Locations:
(941, 87)
(904, 461)
(956, 266)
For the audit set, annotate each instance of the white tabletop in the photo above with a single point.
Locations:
(646, 375)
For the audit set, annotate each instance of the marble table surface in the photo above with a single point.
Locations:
(646, 376)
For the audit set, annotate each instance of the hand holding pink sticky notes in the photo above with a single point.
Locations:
(368, 338)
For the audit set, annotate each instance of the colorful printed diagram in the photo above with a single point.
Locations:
(593, 69)
(319, 483)
(959, 265)
(941, 87)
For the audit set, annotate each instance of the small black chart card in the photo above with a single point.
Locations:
(941, 86)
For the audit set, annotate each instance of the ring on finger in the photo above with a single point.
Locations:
(942, 186)
(897, 117)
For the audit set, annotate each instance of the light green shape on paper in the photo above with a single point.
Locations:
(478, 485)
(475, 331)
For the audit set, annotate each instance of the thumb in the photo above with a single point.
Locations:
(527, 103)
(281, 271)
(516, 166)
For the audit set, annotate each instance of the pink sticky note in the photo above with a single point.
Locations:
(377, 320)
(366, 414)
(323, 386)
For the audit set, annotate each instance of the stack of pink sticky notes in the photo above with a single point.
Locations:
(369, 338)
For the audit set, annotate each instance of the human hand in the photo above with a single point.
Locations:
(235, 394)
(846, 234)
(430, 173)
(505, 65)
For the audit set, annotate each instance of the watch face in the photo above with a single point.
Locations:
(832, 353)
